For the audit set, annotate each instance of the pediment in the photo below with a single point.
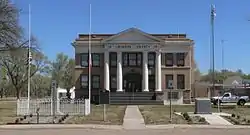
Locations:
(132, 35)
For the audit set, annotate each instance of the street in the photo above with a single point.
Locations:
(174, 131)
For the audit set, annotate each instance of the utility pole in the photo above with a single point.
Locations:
(212, 46)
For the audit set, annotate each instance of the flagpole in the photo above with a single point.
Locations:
(29, 55)
(90, 60)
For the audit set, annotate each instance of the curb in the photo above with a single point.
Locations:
(117, 127)
(61, 126)
(197, 126)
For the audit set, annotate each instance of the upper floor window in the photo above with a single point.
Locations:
(84, 81)
(180, 59)
(84, 59)
(180, 81)
(139, 59)
(96, 60)
(169, 81)
(151, 59)
(113, 59)
(96, 81)
(169, 57)
(131, 59)
(125, 59)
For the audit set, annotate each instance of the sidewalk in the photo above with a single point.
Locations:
(214, 119)
(133, 118)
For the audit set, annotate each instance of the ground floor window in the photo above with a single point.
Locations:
(173, 95)
(113, 81)
(151, 82)
(96, 81)
(84, 81)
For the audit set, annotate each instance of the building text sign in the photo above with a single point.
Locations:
(131, 46)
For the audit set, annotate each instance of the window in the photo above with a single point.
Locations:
(113, 59)
(95, 81)
(113, 81)
(173, 95)
(180, 59)
(151, 82)
(96, 60)
(125, 59)
(84, 60)
(131, 59)
(169, 59)
(151, 59)
(84, 81)
(139, 59)
(169, 80)
(180, 81)
(226, 95)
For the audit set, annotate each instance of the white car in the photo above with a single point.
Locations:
(230, 98)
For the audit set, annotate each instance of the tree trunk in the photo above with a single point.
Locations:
(18, 93)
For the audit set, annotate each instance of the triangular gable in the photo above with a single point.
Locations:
(130, 31)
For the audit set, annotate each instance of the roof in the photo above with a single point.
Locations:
(99, 37)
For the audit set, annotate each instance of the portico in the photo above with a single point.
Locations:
(145, 70)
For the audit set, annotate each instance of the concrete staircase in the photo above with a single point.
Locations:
(134, 98)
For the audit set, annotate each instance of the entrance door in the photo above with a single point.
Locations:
(132, 82)
(130, 86)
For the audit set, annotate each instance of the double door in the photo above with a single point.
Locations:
(131, 86)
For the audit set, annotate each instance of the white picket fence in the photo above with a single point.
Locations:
(62, 107)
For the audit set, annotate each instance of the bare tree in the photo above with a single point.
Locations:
(16, 62)
(10, 30)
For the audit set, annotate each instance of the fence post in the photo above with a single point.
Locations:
(37, 115)
(18, 107)
(86, 108)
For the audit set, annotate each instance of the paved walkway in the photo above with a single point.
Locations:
(133, 118)
(214, 119)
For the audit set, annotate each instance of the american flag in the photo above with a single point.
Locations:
(29, 57)
(213, 11)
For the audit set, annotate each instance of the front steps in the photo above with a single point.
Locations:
(134, 98)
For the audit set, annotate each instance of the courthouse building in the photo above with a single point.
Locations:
(133, 61)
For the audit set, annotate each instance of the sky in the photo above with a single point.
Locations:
(56, 23)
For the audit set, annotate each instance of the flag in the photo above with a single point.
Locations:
(213, 11)
(29, 57)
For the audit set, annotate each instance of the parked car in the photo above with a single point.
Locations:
(228, 97)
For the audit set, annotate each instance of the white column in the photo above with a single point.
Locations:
(158, 71)
(145, 71)
(106, 71)
(119, 71)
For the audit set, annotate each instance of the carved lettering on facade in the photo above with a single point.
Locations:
(131, 46)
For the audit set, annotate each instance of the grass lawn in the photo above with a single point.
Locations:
(7, 111)
(241, 114)
(114, 116)
(159, 114)
(242, 111)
